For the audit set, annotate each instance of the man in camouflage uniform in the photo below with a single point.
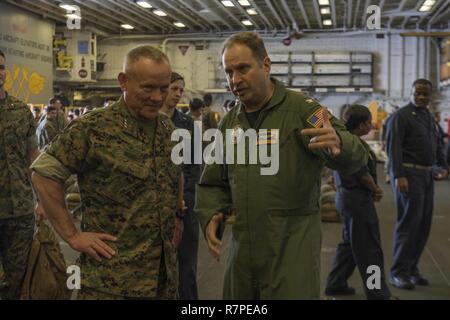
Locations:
(61, 120)
(130, 189)
(18, 149)
(48, 128)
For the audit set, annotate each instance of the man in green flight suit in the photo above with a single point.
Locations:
(276, 236)
(130, 189)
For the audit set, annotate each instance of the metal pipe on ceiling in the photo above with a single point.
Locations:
(181, 13)
(350, 12)
(405, 19)
(437, 14)
(290, 15)
(355, 20)
(205, 6)
(275, 14)
(438, 5)
(261, 13)
(151, 17)
(126, 18)
(245, 13)
(304, 15)
(333, 13)
(198, 14)
(364, 21)
(400, 8)
(317, 13)
(227, 12)
(100, 14)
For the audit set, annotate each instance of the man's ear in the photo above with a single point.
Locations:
(267, 65)
(123, 79)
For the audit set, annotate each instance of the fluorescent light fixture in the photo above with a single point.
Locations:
(327, 22)
(325, 10)
(160, 13)
(127, 26)
(244, 3)
(429, 3)
(227, 3)
(144, 4)
(73, 16)
(425, 8)
(179, 24)
(247, 23)
(67, 7)
(324, 2)
(252, 12)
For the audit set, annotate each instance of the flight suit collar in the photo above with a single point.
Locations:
(279, 94)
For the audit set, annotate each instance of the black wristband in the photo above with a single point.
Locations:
(179, 214)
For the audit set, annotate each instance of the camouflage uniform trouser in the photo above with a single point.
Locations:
(16, 236)
(163, 292)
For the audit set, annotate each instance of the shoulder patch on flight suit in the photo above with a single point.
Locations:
(316, 118)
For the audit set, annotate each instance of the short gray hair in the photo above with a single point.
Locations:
(147, 52)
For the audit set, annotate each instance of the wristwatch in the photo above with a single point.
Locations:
(179, 214)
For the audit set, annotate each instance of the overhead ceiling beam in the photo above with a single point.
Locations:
(416, 8)
(444, 8)
(317, 13)
(304, 15)
(205, 6)
(333, 13)
(198, 15)
(269, 24)
(88, 17)
(275, 14)
(355, 20)
(424, 15)
(350, 13)
(245, 13)
(276, 5)
(100, 14)
(364, 17)
(400, 8)
(121, 13)
(290, 15)
(186, 17)
(230, 15)
(36, 10)
(151, 17)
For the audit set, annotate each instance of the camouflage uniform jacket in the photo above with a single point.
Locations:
(17, 137)
(128, 186)
(47, 131)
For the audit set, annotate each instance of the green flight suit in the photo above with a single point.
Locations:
(276, 236)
